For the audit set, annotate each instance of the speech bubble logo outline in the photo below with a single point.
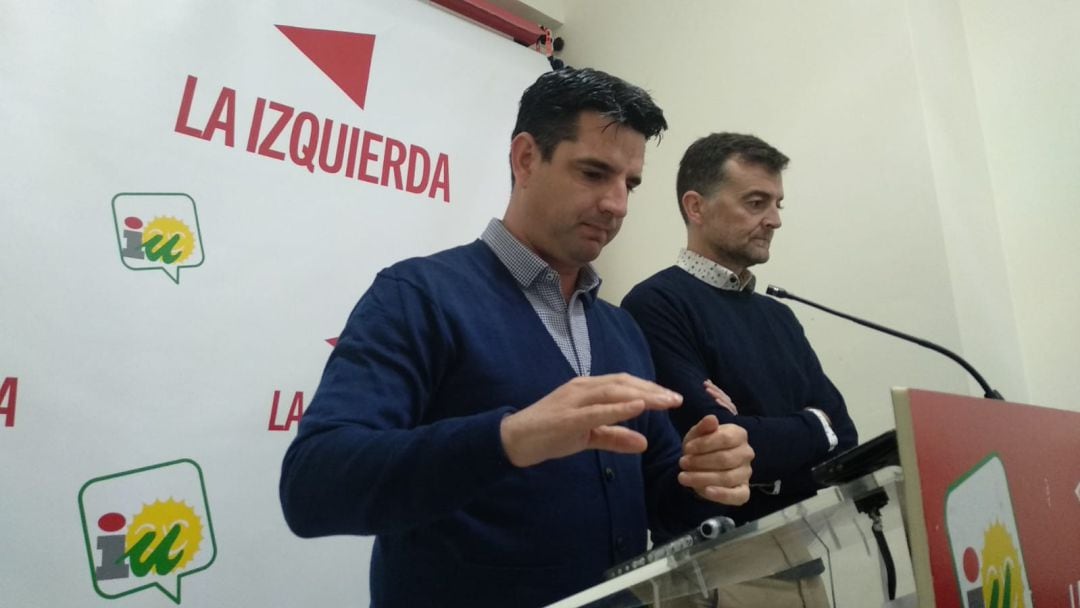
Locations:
(175, 596)
(154, 206)
(979, 515)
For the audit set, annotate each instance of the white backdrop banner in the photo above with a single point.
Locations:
(195, 195)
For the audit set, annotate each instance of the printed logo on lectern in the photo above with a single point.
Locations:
(157, 231)
(984, 541)
(147, 528)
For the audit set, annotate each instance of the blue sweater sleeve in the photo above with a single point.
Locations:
(785, 446)
(369, 458)
(825, 395)
(671, 507)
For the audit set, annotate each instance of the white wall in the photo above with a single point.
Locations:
(933, 146)
(965, 198)
(1026, 71)
(835, 86)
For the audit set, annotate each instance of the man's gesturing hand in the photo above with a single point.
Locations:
(716, 461)
(583, 415)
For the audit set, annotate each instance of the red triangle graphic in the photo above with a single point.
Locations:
(343, 56)
(332, 341)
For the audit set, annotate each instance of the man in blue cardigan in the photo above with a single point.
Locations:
(486, 416)
(729, 351)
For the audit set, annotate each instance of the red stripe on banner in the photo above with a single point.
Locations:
(498, 19)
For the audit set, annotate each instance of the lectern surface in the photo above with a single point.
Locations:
(816, 553)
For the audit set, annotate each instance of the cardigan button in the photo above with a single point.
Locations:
(609, 474)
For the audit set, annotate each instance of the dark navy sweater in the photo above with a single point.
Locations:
(754, 349)
(401, 440)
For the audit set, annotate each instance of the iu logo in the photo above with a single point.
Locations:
(157, 231)
(147, 528)
(984, 541)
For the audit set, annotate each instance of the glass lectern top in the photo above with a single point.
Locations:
(800, 556)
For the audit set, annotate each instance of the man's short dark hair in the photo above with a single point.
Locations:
(702, 166)
(550, 107)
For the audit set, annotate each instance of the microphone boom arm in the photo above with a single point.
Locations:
(989, 393)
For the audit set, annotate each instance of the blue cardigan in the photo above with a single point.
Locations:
(753, 348)
(401, 440)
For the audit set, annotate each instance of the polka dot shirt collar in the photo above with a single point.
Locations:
(714, 274)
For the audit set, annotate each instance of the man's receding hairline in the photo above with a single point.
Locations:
(742, 159)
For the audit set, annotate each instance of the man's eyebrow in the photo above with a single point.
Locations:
(599, 165)
(757, 192)
(595, 163)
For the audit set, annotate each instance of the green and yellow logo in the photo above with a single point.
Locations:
(157, 231)
(984, 540)
(146, 528)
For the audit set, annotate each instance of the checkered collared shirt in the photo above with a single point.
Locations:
(565, 321)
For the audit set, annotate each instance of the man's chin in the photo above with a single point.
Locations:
(758, 255)
(754, 260)
(588, 253)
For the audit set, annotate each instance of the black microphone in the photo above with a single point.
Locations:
(989, 393)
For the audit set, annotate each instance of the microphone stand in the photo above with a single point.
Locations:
(871, 505)
(989, 393)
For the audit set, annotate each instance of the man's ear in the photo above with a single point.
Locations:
(524, 154)
(693, 205)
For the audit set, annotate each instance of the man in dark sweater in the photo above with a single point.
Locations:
(738, 355)
(728, 350)
(486, 416)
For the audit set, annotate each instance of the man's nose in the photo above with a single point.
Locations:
(615, 200)
(772, 218)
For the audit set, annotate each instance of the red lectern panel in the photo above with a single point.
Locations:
(993, 500)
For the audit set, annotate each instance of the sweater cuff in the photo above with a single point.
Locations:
(830, 435)
(483, 448)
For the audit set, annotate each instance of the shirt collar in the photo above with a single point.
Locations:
(714, 274)
(525, 266)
